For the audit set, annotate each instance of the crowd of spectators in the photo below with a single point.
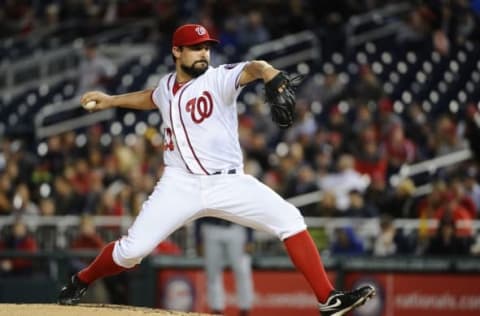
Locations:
(349, 152)
(225, 18)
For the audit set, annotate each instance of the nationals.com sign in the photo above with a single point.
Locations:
(420, 294)
(286, 293)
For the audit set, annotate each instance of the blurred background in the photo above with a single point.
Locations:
(383, 158)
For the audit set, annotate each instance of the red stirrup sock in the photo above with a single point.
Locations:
(305, 257)
(102, 266)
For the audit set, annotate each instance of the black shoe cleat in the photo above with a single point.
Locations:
(72, 292)
(340, 303)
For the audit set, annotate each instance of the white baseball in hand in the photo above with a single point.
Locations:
(90, 105)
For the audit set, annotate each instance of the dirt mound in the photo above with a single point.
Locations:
(84, 310)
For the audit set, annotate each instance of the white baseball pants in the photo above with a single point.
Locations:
(180, 197)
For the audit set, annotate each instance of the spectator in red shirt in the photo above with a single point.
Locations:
(88, 238)
(369, 158)
(398, 149)
(456, 212)
(19, 239)
(458, 189)
(426, 207)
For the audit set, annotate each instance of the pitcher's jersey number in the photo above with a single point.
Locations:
(168, 139)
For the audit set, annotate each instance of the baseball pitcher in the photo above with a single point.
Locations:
(203, 173)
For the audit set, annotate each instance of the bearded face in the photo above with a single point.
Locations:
(193, 60)
(196, 69)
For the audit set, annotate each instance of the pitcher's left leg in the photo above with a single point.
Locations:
(245, 200)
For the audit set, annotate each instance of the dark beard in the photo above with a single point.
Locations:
(192, 71)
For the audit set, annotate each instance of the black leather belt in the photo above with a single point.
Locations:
(231, 171)
(219, 222)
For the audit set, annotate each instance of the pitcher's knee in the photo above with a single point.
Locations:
(295, 226)
(127, 254)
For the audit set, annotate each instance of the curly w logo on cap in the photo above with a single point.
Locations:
(200, 30)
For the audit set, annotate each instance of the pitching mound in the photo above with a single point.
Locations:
(84, 310)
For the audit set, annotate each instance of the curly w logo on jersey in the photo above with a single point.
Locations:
(200, 108)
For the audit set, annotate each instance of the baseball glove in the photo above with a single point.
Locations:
(280, 94)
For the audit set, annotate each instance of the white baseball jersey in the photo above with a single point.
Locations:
(201, 149)
(207, 103)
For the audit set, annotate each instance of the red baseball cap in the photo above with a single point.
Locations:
(191, 34)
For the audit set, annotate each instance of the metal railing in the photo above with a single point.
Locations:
(386, 21)
(185, 237)
(26, 73)
(43, 129)
(288, 51)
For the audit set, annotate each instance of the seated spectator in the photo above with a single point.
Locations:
(346, 242)
(472, 188)
(369, 158)
(420, 131)
(398, 149)
(358, 207)
(387, 118)
(343, 181)
(304, 181)
(338, 126)
(56, 157)
(452, 209)
(390, 241)
(111, 204)
(447, 136)
(368, 86)
(322, 157)
(22, 202)
(304, 126)
(426, 207)
(457, 188)
(18, 239)
(95, 193)
(46, 234)
(399, 203)
(377, 193)
(327, 207)
(66, 199)
(81, 177)
(364, 122)
(446, 241)
(87, 238)
(95, 71)
(385, 243)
